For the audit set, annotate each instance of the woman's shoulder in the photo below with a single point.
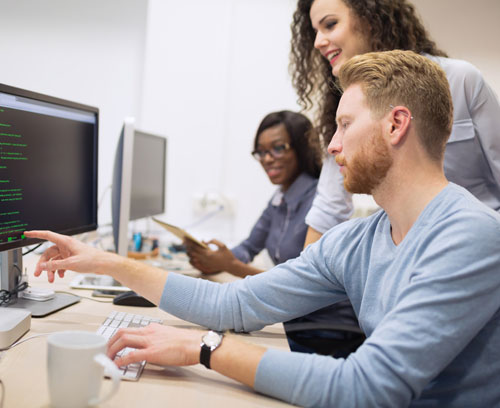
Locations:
(304, 182)
(457, 68)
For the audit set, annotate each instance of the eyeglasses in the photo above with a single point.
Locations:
(276, 152)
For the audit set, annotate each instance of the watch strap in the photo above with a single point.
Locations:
(206, 350)
(205, 354)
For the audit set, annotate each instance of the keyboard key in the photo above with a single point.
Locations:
(108, 332)
(117, 320)
(115, 323)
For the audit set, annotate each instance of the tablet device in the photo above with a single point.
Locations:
(179, 232)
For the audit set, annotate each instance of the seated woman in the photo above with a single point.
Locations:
(288, 150)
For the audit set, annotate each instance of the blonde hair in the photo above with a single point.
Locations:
(408, 79)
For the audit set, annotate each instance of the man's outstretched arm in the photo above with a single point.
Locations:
(68, 253)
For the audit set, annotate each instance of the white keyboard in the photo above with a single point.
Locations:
(119, 320)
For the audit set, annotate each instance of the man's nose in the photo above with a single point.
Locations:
(335, 145)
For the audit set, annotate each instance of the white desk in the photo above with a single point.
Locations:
(23, 368)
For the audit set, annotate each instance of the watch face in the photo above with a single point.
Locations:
(212, 339)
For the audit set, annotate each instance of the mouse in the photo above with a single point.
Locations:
(132, 298)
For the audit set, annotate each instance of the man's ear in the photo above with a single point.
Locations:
(399, 123)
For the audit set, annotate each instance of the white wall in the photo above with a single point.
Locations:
(204, 73)
(467, 30)
(87, 51)
(213, 70)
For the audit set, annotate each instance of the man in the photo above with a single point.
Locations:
(422, 274)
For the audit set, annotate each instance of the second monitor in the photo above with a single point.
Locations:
(138, 191)
(139, 180)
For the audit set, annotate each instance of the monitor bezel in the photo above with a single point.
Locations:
(121, 186)
(11, 90)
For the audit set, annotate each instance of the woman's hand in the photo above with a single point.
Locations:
(67, 253)
(157, 344)
(210, 261)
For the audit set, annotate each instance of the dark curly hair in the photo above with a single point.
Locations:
(388, 24)
(303, 139)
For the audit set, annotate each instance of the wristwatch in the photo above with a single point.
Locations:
(209, 342)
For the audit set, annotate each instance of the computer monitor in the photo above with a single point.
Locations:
(48, 178)
(138, 189)
(147, 195)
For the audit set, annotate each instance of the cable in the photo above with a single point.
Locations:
(103, 195)
(5, 295)
(86, 297)
(17, 267)
(17, 343)
(33, 249)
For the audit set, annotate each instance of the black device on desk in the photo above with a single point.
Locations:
(107, 293)
(132, 298)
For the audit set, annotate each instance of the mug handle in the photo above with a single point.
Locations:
(113, 372)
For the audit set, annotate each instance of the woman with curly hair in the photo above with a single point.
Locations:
(325, 34)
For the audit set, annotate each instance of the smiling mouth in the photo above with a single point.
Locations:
(332, 56)
(273, 172)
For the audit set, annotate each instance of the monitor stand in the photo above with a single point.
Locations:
(11, 266)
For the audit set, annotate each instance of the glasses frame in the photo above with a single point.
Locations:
(260, 155)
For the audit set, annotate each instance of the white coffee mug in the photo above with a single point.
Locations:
(75, 363)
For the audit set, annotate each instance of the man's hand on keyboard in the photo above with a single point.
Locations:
(157, 344)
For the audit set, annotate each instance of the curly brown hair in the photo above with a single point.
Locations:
(388, 24)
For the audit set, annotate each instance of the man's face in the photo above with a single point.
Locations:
(358, 144)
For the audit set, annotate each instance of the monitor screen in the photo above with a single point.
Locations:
(48, 166)
(138, 189)
(147, 193)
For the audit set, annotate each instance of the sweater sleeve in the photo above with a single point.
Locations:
(434, 333)
(252, 303)
(433, 330)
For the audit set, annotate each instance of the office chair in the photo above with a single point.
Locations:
(325, 339)
(331, 331)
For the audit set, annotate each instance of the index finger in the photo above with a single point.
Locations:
(133, 356)
(47, 235)
(130, 337)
